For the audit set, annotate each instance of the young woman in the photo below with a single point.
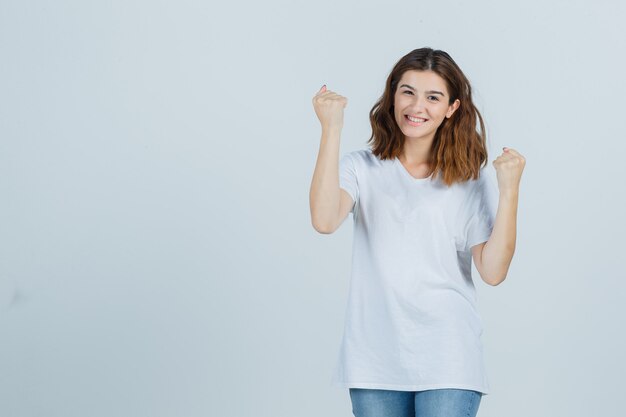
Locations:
(423, 207)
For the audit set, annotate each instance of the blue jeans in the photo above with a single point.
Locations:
(430, 403)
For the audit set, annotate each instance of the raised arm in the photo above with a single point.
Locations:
(493, 258)
(329, 204)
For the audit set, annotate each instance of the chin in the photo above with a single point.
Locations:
(421, 135)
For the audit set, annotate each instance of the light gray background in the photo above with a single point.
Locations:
(156, 251)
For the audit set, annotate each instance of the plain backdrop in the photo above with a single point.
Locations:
(157, 256)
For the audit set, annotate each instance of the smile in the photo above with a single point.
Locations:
(415, 121)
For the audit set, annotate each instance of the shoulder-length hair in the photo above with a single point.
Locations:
(458, 150)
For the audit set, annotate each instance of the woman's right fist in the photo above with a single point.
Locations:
(329, 107)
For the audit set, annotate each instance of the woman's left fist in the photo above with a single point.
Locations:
(509, 167)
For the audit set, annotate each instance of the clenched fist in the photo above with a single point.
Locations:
(329, 107)
(509, 167)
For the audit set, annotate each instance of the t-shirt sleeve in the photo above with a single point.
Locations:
(481, 210)
(348, 178)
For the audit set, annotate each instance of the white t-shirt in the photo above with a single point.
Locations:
(411, 321)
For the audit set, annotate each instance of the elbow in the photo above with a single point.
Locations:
(321, 221)
(324, 224)
(323, 228)
(494, 282)
(494, 275)
(493, 278)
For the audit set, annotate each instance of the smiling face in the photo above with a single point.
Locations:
(422, 95)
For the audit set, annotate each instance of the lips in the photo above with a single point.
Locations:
(414, 124)
(416, 117)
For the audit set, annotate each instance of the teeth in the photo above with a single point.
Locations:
(416, 120)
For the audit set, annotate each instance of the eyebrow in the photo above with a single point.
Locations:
(427, 92)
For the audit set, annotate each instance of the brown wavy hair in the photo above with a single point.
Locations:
(458, 150)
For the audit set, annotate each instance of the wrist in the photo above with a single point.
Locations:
(509, 194)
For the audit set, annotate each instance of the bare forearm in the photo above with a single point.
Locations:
(499, 249)
(324, 195)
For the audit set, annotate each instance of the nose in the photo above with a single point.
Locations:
(418, 103)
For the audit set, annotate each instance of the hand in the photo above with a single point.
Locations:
(329, 108)
(509, 167)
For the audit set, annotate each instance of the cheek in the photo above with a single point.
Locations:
(441, 111)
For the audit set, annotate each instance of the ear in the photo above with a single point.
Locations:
(452, 108)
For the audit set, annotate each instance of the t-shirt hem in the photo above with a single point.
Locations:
(477, 241)
(401, 387)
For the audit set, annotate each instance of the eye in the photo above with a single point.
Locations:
(435, 97)
(407, 91)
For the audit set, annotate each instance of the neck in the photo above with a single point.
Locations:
(416, 151)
